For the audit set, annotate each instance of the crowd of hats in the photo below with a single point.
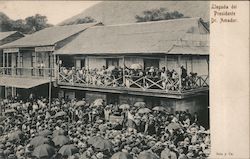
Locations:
(77, 129)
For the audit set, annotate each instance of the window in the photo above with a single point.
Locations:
(151, 62)
(112, 62)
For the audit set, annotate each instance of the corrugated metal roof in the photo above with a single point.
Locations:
(22, 82)
(147, 37)
(49, 36)
(4, 35)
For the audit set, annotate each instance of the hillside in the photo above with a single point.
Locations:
(118, 12)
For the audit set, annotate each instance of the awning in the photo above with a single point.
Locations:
(20, 82)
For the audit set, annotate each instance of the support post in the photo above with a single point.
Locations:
(3, 63)
(166, 60)
(18, 63)
(123, 71)
(50, 83)
(180, 80)
(35, 67)
(87, 70)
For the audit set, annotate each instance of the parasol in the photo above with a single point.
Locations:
(94, 139)
(174, 126)
(140, 104)
(60, 140)
(68, 150)
(102, 145)
(147, 155)
(80, 103)
(144, 110)
(98, 102)
(43, 151)
(39, 140)
(16, 135)
(160, 108)
(60, 114)
(135, 67)
(124, 106)
(10, 111)
(45, 133)
(58, 132)
(122, 155)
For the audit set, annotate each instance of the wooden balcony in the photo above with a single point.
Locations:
(26, 72)
(136, 85)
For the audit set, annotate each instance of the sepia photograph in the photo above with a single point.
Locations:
(105, 79)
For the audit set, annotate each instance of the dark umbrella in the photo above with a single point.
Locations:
(39, 140)
(43, 151)
(68, 150)
(60, 140)
(45, 133)
(122, 155)
(147, 155)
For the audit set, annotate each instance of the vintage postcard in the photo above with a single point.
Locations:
(124, 80)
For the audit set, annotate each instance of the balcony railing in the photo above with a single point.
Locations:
(26, 72)
(142, 83)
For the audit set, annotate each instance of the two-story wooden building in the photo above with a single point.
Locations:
(28, 63)
(161, 63)
(7, 37)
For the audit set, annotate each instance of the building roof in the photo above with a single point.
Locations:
(147, 37)
(49, 36)
(4, 35)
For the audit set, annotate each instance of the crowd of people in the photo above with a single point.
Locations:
(79, 130)
(113, 76)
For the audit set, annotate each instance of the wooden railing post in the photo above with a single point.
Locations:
(123, 71)
(180, 80)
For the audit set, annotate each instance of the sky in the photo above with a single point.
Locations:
(56, 11)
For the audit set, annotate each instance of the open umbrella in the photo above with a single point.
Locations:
(174, 126)
(39, 140)
(16, 135)
(147, 155)
(122, 155)
(58, 132)
(159, 108)
(124, 106)
(10, 111)
(60, 140)
(94, 139)
(43, 151)
(140, 104)
(98, 102)
(144, 110)
(102, 145)
(45, 133)
(111, 68)
(59, 114)
(68, 150)
(135, 67)
(80, 103)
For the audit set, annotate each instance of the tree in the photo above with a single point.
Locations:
(158, 14)
(36, 23)
(81, 21)
(27, 26)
